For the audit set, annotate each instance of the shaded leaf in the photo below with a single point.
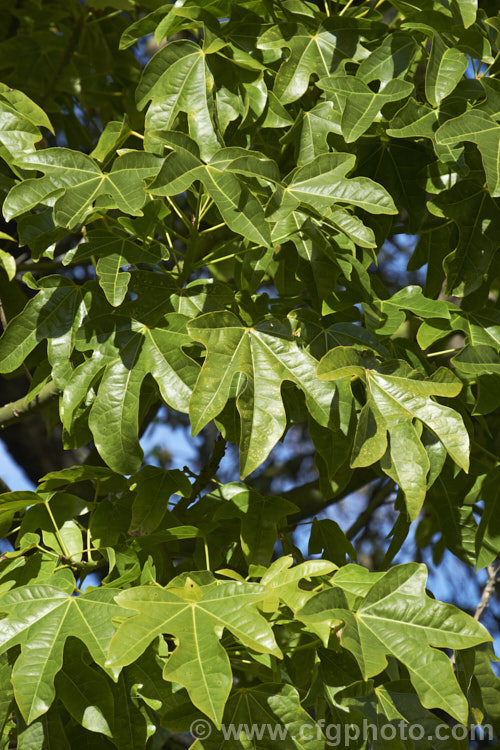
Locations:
(393, 402)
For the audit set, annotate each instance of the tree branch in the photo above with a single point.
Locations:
(206, 474)
(488, 591)
(378, 499)
(14, 411)
(311, 501)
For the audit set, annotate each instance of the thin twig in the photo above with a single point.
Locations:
(376, 501)
(488, 591)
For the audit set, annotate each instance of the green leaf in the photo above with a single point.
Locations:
(478, 219)
(319, 53)
(113, 281)
(481, 129)
(445, 69)
(282, 583)
(267, 356)
(489, 683)
(112, 137)
(393, 403)
(197, 616)
(45, 732)
(177, 79)
(6, 691)
(411, 298)
(310, 132)
(416, 120)
(398, 167)
(239, 208)
(20, 119)
(84, 691)
(276, 709)
(323, 183)
(75, 186)
(154, 488)
(474, 361)
(114, 415)
(19, 500)
(481, 327)
(449, 499)
(397, 618)
(40, 618)
(467, 10)
(362, 105)
(8, 263)
(327, 538)
(389, 60)
(54, 313)
(488, 533)
(259, 515)
(25, 107)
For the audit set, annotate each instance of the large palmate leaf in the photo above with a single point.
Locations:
(362, 105)
(396, 397)
(239, 207)
(390, 60)
(267, 356)
(322, 183)
(397, 618)
(197, 616)
(480, 128)
(177, 79)
(75, 185)
(319, 53)
(40, 618)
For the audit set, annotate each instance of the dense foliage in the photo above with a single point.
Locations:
(203, 234)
